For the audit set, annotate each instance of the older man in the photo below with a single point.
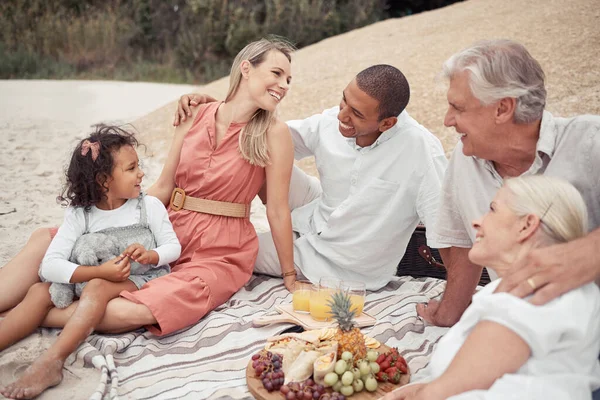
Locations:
(496, 103)
(380, 174)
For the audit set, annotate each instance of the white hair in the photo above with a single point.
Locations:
(499, 69)
(560, 207)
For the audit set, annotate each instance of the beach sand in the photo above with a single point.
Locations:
(40, 121)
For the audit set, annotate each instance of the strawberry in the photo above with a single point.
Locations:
(381, 376)
(391, 371)
(395, 378)
(384, 365)
(380, 358)
(402, 365)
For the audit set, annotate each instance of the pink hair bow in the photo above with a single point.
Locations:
(94, 146)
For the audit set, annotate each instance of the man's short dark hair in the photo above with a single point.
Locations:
(388, 86)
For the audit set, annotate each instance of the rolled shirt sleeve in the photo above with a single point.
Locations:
(305, 133)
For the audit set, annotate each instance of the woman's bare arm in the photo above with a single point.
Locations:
(490, 351)
(279, 172)
(164, 185)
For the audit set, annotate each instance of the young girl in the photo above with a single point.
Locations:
(103, 189)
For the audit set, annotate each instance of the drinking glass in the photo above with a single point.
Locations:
(357, 292)
(301, 296)
(319, 309)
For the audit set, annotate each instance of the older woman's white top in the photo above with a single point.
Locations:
(563, 335)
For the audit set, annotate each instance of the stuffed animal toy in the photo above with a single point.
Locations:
(91, 249)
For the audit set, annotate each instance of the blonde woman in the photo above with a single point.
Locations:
(217, 163)
(504, 347)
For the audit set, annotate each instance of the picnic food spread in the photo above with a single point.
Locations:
(326, 364)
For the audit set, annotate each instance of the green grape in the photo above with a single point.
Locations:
(338, 385)
(375, 368)
(347, 356)
(331, 379)
(371, 384)
(372, 355)
(364, 367)
(358, 385)
(356, 372)
(347, 391)
(347, 378)
(340, 367)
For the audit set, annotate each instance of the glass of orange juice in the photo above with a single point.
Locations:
(301, 296)
(319, 309)
(357, 292)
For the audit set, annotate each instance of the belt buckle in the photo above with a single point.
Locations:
(172, 204)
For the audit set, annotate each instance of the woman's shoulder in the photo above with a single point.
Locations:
(199, 113)
(279, 127)
(279, 136)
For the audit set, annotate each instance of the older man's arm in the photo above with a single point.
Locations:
(463, 277)
(555, 270)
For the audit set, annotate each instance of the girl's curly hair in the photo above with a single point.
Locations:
(86, 178)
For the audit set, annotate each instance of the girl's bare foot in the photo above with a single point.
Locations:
(41, 375)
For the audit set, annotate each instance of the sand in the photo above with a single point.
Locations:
(40, 120)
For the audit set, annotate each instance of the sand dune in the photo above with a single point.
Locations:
(563, 36)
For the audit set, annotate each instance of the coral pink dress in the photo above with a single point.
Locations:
(217, 253)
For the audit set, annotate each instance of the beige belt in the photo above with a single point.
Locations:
(180, 200)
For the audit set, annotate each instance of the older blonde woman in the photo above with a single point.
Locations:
(503, 346)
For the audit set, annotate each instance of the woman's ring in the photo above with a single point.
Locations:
(531, 283)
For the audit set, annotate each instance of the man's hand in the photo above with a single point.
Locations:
(183, 107)
(115, 270)
(462, 280)
(138, 253)
(554, 270)
(289, 281)
(429, 312)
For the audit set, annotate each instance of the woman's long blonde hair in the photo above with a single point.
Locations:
(253, 138)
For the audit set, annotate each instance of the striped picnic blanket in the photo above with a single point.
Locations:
(209, 359)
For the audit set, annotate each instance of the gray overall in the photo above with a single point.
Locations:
(105, 245)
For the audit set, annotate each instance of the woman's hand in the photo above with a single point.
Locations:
(410, 392)
(183, 107)
(115, 270)
(138, 253)
(289, 281)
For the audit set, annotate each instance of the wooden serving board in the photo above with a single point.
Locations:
(286, 313)
(259, 392)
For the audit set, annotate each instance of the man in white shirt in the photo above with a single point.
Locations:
(496, 103)
(380, 174)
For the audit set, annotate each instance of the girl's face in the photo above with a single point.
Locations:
(126, 179)
(498, 233)
(269, 81)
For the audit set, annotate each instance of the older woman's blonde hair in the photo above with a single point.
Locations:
(560, 207)
(253, 138)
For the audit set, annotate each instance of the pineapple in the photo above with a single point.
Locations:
(348, 335)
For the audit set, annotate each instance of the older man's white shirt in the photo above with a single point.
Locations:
(372, 200)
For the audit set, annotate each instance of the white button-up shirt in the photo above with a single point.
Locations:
(567, 148)
(373, 198)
